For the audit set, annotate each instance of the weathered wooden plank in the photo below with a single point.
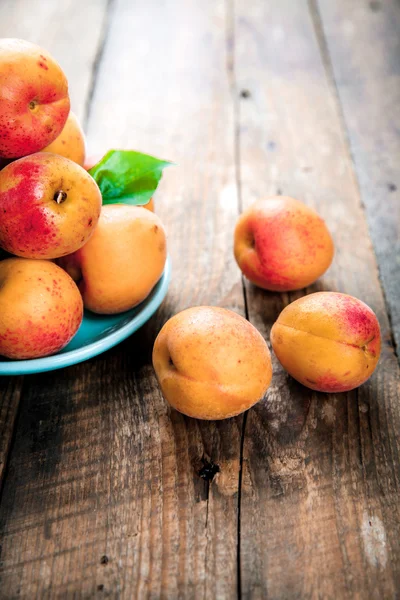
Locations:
(72, 35)
(362, 42)
(319, 503)
(104, 486)
(56, 32)
(10, 393)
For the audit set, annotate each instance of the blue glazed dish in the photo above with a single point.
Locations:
(96, 334)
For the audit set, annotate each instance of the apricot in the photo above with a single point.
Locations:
(40, 308)
(34, 100)
(328, 341)
(211, 363)
(280, 244)
(123, 260)
(49, 206)
(71, 141)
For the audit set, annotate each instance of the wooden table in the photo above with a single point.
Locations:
(106, 492)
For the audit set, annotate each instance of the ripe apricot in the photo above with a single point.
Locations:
(328, 341)
(71, 141)
(281, 244)
(34, 100)
(40, 308)
(211, 363)
(49, 206)
(123, 260)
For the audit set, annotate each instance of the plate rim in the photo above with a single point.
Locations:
(73, 357)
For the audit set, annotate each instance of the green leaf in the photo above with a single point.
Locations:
(128, 177)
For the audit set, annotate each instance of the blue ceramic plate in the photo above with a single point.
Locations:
(96, 334)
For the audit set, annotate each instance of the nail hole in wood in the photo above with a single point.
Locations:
(208, 470)
(251, 241)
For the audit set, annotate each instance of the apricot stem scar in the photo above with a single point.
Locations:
(32, 104)
(251, 241)
(60, 196)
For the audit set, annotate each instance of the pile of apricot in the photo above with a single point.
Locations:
(52, 222)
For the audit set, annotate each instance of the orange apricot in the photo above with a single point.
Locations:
(328, 341)
(281, 244)
(41, 308)
(123, 260)
(211, 363)
(49, 206)
(71, 141)
(34, 100)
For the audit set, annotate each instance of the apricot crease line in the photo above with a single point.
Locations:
(323, 337)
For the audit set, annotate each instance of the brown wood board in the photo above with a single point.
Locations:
(362, 53)
(319, 502)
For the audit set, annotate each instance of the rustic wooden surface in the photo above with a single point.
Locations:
(106, 491)
(308, 458)
(365, 70)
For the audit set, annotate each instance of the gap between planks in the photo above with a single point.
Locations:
(231, 73)
(97, 61)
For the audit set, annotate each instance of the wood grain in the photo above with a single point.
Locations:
(72, 35)
(362, 47)
(10, 393)
(105, 492)
(319, 503)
